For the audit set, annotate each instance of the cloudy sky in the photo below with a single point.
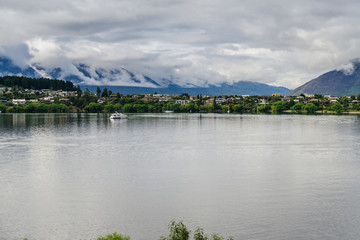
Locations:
(278, 42)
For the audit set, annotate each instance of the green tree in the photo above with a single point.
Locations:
(206, 108)
(30, 108)
(10, 109)
(19, 109)
(263, 108)
(63, 108)
(214, 103)
(200, 235)
(297, 107)
(53, 108)
(58, 108)
(225, 108)
(191, 107)
(41, 107)
(2, 108)
(336, 107)
(238, 108)
(94, 107)
(140, 108)
(215, 236)
(118, 107)
(310, 108)
(127, 108)
(105, 93)
(114, 236)
(151, 108)
(178, 231)
(98, 91)
(78, 91)
(109, 108)
(278, 107)
(200, 102)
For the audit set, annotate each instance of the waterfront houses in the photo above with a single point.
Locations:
(18, 101)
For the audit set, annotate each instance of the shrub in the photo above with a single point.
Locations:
(278, 107)
(336, 107)
(114, 236)
(178, 231)
(310, 107)
(2, 108)
(297, 107)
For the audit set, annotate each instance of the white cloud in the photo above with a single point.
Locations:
(276, 42)
(347, 69)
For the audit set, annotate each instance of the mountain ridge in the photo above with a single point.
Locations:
(138, 83)
(336, 82)
(238, 88)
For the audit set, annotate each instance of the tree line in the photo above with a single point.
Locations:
(108, 102)
(36, 83)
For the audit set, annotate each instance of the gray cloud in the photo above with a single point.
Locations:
(191, 42)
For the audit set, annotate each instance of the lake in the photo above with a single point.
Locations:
(79, 176)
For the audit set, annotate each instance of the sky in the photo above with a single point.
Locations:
(189, 42)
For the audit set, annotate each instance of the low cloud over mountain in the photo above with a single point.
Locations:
(345, 80)
(124, 81)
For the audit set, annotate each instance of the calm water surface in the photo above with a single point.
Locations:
(249, 176)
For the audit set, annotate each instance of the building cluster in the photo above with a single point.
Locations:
(43, 95)
(47, 95)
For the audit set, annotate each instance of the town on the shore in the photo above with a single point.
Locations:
(18, 100)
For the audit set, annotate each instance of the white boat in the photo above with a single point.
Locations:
(117, 115)
(168, 111)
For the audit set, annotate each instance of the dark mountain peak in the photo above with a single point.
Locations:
(345, 80)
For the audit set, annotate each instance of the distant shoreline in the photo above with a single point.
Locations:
(286, 112)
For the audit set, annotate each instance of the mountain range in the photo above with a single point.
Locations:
(238, 88)
(339, 82)
(135, 83)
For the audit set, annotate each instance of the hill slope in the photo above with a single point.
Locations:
(335, 83)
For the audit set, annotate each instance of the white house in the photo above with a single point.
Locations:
(263, 102)
(182, 102)
(18, 101)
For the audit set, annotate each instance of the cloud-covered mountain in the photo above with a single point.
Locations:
(342, 81)
(80, 73)
(7, 67)
(123, 81)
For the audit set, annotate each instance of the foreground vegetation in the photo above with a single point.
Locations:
(177, 231)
